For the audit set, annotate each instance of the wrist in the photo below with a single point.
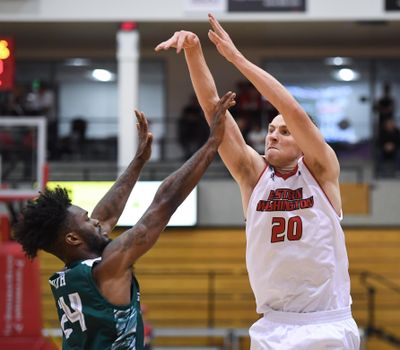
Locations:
(194, 50)
(214, 142)
(140, 160)
(237, 58)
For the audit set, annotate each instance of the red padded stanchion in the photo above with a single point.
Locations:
(20, 308)
(4, 228)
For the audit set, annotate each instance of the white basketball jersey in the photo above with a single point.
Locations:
(296, 255)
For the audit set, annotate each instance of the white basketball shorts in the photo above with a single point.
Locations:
(326, 330)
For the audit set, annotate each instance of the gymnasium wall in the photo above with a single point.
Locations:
(220, 205)
(176, 10)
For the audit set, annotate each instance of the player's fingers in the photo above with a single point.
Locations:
(181, 40)
(216, 25)
(223, 102)
(229, 101)
(138, 115)
(160, 46)
(138, 118)
(142, 121)
(191, 38)
(149, 138)
(213, 37)
(165, 45)
(227, 96)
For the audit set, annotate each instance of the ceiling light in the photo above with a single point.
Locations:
(77, 62)
(346, 74)
(338, 61)
(103, 75)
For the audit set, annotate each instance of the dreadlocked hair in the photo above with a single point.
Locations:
(42, 220)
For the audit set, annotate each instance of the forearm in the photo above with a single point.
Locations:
(233, 150)
(306, 134)
(110, 207)
(123, 251)
(202, 80)
(267, 85)
(177, 186)
(171, 193)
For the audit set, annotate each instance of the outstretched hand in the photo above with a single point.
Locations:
(180, 40)
(145, 137)
(221, 39)
(217, 127)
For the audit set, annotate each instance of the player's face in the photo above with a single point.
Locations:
(281, 149)
(89, 230)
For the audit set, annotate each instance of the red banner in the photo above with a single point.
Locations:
(7, 64)
(20, 305)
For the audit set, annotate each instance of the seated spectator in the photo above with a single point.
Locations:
(389, 143)
(78, 137)
(192, 128)
(384, 106)
(256, 138)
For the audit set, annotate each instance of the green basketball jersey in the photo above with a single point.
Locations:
(88, 320)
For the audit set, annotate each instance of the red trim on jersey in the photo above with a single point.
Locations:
(287, 175)
(262, 173)
(304, 162)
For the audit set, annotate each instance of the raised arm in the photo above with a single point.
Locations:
(244, 163)
(318, 154)
(123, 251)
(111, 206)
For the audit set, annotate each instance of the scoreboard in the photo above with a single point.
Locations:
(7, 64)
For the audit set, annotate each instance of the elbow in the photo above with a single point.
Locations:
(165, 205)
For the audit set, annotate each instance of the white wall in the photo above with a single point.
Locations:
(177, 10)
(99, 102)
(220, 205)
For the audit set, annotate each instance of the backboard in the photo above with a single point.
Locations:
(23, 171)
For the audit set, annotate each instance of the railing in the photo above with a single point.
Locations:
(371, 281)
(208, 287)
(230, 337)
(167, 152)
(215, 293)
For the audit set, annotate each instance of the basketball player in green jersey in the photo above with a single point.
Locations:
(97, 296)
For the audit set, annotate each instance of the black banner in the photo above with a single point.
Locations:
(392, 5)
(268, 5)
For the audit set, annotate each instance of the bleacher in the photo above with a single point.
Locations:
(195, 280)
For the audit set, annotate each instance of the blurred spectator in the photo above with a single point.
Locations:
(385, 106)
(252, 111)
(243, 123)
(40, 101)
(192, 128)
(249, 103)
(8, 155)
(256, 138)
(17, 147)
(269, 112)
(249, 99)
(389, 143)
(77, 137)
(13, 102)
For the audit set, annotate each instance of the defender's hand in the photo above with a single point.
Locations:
(180, 40)
(217, 127)
(145, 137)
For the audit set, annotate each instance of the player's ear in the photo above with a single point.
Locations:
(73, 239)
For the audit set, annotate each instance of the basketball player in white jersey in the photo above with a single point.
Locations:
(296, 255)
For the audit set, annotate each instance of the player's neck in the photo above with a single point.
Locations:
(286, 169)
(79, 256)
